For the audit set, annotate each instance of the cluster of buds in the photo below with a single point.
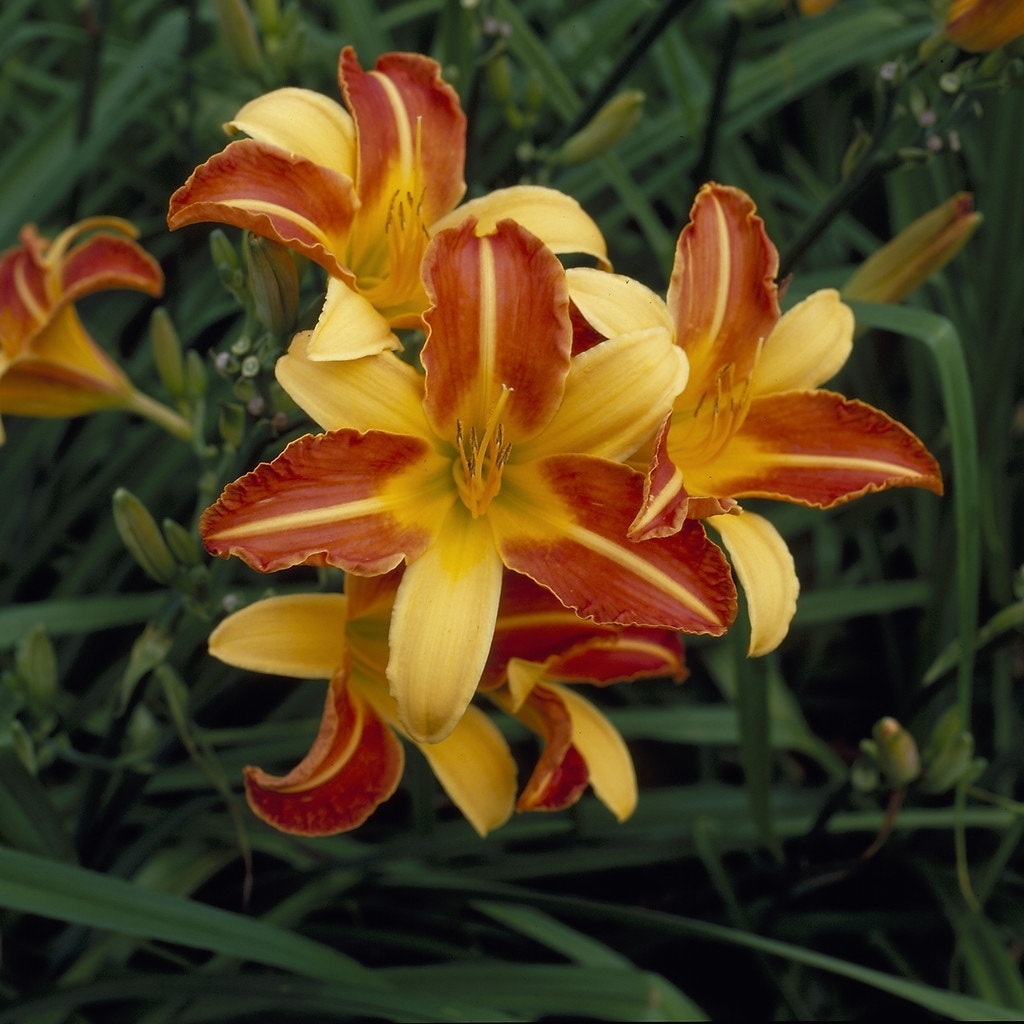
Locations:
(892, 759)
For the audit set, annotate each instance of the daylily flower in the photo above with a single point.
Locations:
(356, 761)
(753, 421)
(982, 25)
(362, 193)
(49, 365)
(507, 452)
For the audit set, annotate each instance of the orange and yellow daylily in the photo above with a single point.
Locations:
(508, 452)
(49, 364)
(983, 25)
(356, 760)
(361, 191)
(753, 421)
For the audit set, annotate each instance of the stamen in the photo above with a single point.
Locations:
(481, 460)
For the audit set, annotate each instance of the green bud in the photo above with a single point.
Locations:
(499, 78)
(268, 15)
(274, 284)
(36, 666)
(23, 746)
(183, 543)
(195, 374)
(232, 424)
(223, 254)
(142, 537)
(948, 755)
(864, 775)
(238, 29)
(167, 352)
(898, 755)
(612, 123)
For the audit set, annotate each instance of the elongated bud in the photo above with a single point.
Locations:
(232, 424)
(274, 284)
(982, 25)
(810, 8)
(239, 31)
(611, 124)
(142, 537)
(195, 374)
(183, 543)
(36, 667)
(918, 251)
(499, 78)
(898, 755)
(167, 352)
(948, 755)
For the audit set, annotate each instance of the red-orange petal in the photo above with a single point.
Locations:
(273, 194)
(817, 448)
(560, 775)
(498, 330)
(401, 105)
(563, 521)
(105, 261)
(333, 499)
(24, 305)
(353, 766)
(533, 625)
(722, 293)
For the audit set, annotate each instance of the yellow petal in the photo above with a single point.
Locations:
(555, 218)
(808, 346)
(476, 769)
(442, 626)
(613, 304)
(373, 393)
(298, 635)
(349, 327)
(616, 395)
(764, 565)
(303, 123)
(612, 776)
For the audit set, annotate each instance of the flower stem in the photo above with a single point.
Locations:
(158, 413)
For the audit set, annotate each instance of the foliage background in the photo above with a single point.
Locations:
(749, 883)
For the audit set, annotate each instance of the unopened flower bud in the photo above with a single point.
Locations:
(612, 123)
(948, 755)
(499, 78)
(898, 755)
(239, 30)
(274, 284)
(917, 252)
(195, 374)
(232, 424)
(142, 537)
(183, 543)
(982, 25)
(167, 352)
(36, 667)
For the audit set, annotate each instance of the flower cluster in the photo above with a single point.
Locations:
(527, 505)
(519, 505)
